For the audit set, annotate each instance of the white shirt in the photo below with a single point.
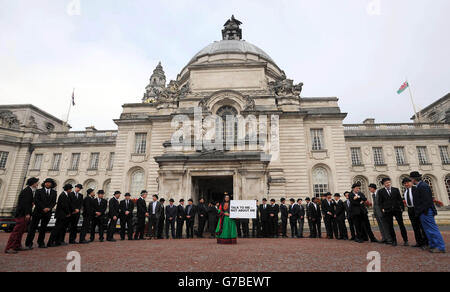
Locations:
(154, 207)
(409, 194)
(47, 191)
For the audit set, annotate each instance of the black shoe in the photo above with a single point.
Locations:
(111, 240)
(72, 242)
(374, 240)
(83, 242)
(30, 247)
(51, 245)
(416, 245)
(359, 241)
(101, 240)
(394, 243)
(42, 246)
(405, 243)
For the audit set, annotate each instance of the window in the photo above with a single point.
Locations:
(111, 160)
(229, 133)
(93, 164)
(356, 156)
(320, 181)
(317, 139)
(447, 185)
(3, 159)
(75, 162)
(37, 162)
(90, 184)
(107, 187)
(423, 155)
(400, 155)
(141, 143)
(444, 154)
(378, 157)
(56, 161)
(137, 182)
(429, 181)
(70, 182)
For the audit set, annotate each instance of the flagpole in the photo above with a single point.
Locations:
(70, 107)
(412, 101)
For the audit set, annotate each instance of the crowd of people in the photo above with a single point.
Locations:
(157, 220)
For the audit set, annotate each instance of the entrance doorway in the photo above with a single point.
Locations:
(212, 188)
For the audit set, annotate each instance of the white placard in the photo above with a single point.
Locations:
(243, 209)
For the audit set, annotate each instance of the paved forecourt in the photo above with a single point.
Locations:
(204, 255)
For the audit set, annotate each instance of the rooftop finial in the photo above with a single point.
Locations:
(231, 30)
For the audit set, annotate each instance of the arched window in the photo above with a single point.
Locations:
(71, 182)
(107, 186)
(90, 184)
(137, 182)
(447, 185)
(223, 112)
(429, 181)
(320, 181)
(364, 185)
(379, 179)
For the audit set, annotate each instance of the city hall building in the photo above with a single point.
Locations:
(316, 151)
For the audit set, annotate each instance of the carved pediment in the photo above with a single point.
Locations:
(9, 120)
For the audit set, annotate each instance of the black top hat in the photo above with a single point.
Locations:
(127, 195)
(292, 200)
(162, 200)
(415, 174)
(272, 200)
(182, 200)
(143, 192)
(283, 199)
(405, 180)
(356, 185)
(89, 191)
(172, 200)
(117, 193)
(299, 199)
(49, 180)
(68, 187)
(307, 199)
(101, 192)
(373, 186)
(80, 186)
(156, 196)
(264, 199)
(31, 181)
(190, 200)
(328, 194)
(337, 195)
(385, 179)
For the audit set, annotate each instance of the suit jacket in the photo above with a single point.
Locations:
(76, 203)
(376, 204)
(88, 207)
(339, 210)
(43, 201)
(64, 208)
(202, 210)
(357, 205)
(328, 207)
(392, 202)
(171, 212)
(123, 208)
(191, 210)
(264, 212)
(25, 203)
(348, 207)
(181, 213)
(158, 209)
(114, 208)
(314, 212)
(284, 212)
(424, 199)
(99, 207)
(301, 211)
(274, 209)
(294, 211)
(141, 208)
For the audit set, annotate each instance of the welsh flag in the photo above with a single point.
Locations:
(403, 87)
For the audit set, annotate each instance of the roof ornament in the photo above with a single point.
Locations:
(231, 30)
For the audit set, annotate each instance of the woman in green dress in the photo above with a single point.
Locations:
(226, 231)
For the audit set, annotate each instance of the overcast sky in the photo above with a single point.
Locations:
(108, 52)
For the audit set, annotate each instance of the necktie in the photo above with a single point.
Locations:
(127, 203)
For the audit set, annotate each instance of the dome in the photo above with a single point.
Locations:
(232, 46)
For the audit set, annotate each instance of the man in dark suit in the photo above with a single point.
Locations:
(171, 217)
(284, 217)
(315, 216)
(425, 209)
(339, 208)
(256, 223)
(181, 217)
(329, 216)
(113, 214)
(62, 215)
(348, 205)
(88, 215)
(76, 203)
(391, 204)
(154, 209)
(126, 217)
(202, 217)
(142, 213)
(212, 219)
(293, 217)
(411, 197)
(191, 210)
(24, 209)
(359, 214)
(44, 202)
(274, 209)
(99, 207)
(264, 212)
(301, 217)
(162, 219)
